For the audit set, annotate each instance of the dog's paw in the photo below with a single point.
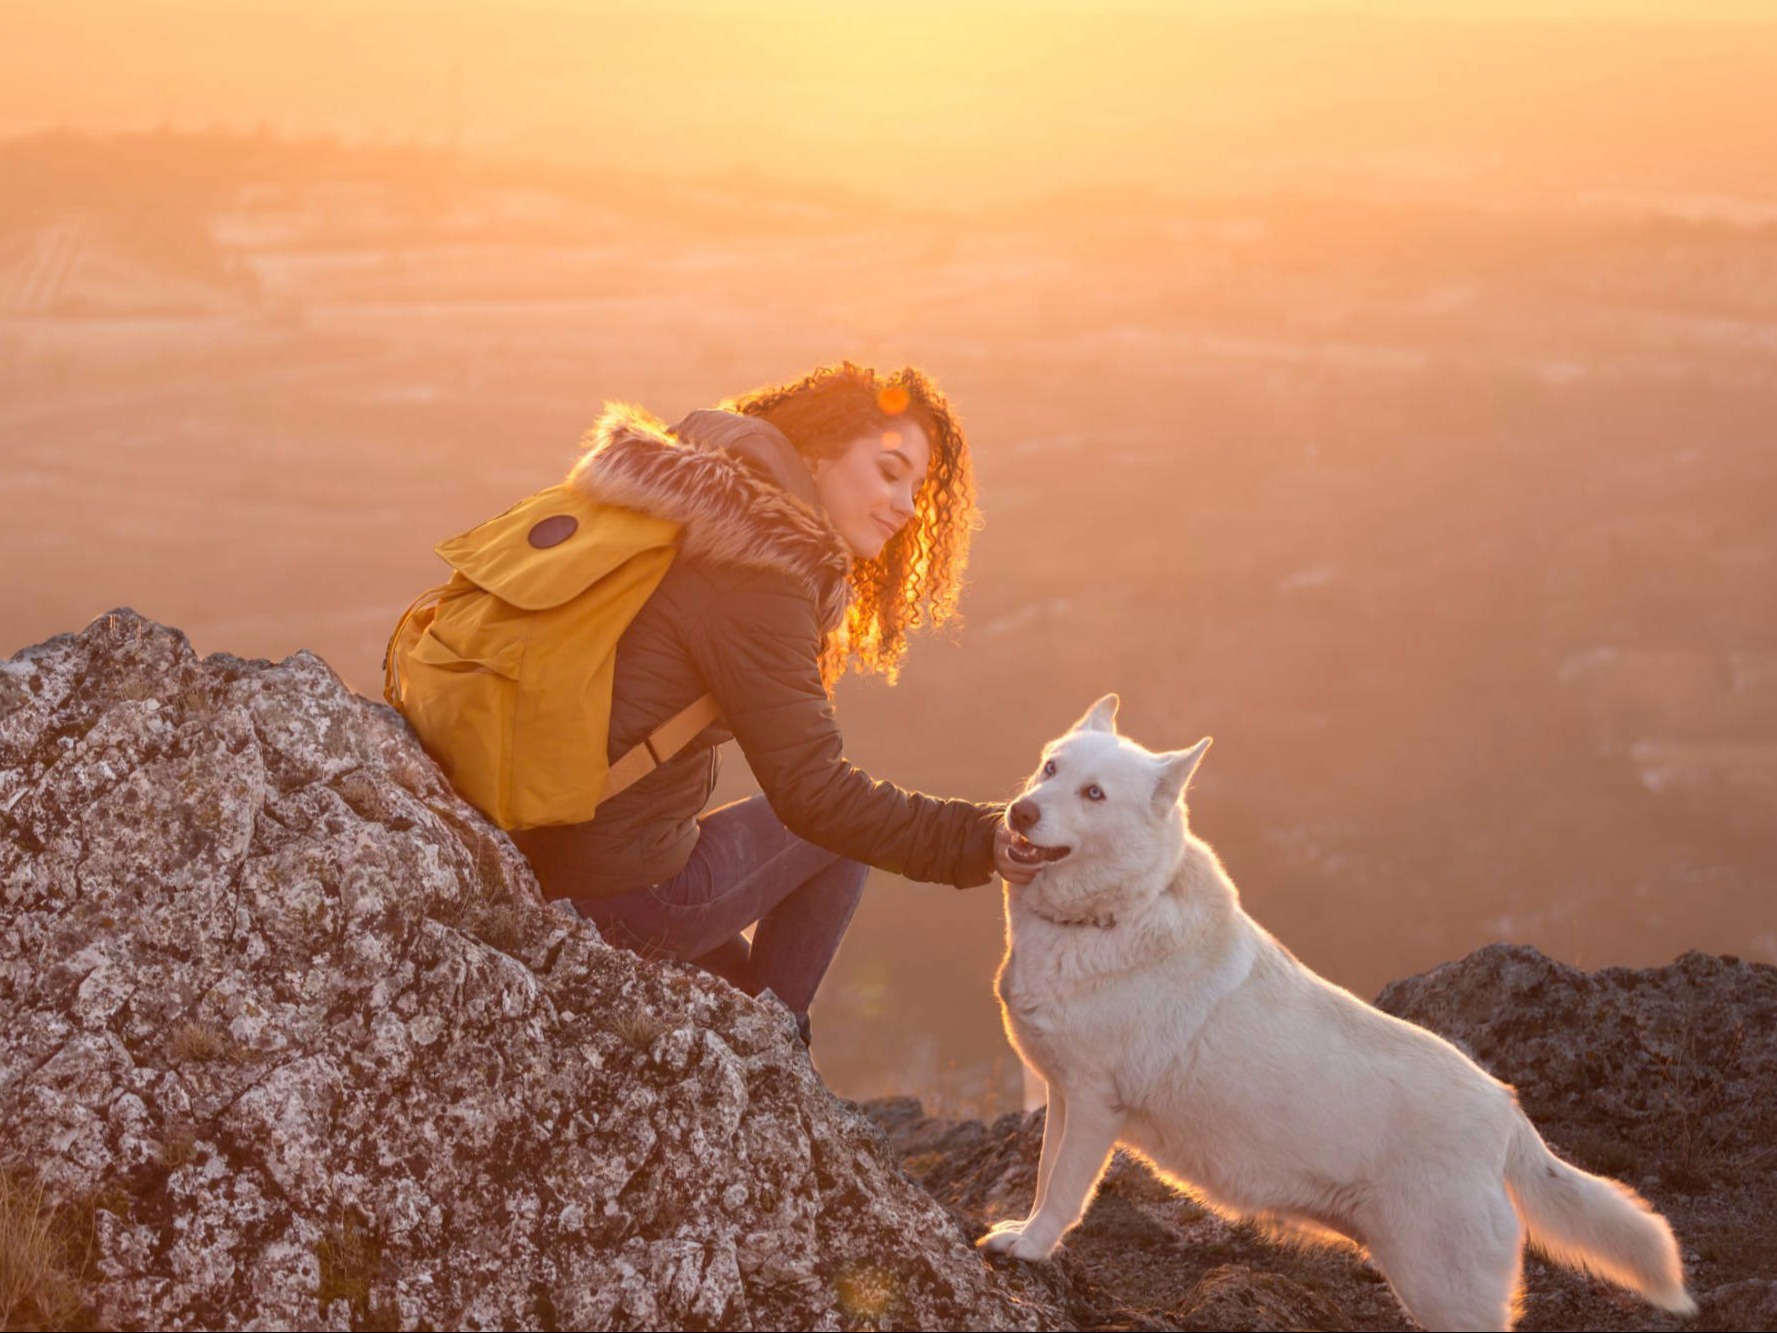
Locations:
(1008, 1238)
(1002, 1238)
(1028, 1250)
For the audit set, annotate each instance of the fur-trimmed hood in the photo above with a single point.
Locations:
(736, 485)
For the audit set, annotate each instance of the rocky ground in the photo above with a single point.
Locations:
(287, 1040)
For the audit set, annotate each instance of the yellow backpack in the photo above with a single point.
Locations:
(505, 671)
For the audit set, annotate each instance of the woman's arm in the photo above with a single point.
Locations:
(758, 650)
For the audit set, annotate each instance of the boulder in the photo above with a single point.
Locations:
(290, 1040)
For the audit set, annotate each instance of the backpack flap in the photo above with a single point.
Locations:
(552, 546)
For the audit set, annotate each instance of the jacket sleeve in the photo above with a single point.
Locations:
(758, 651)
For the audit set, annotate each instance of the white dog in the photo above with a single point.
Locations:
(1162, 1017)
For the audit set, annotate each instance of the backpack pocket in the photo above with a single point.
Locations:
(462, 702)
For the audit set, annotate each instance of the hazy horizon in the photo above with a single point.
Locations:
(953, 104)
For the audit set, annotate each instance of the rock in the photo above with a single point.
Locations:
(287, 1024)
(1750, 1303)
(1622, 1067)
(1234, 1296)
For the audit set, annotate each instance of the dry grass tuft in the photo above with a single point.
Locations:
(639, 1028)
(351, 1259)
(190, 1043)
(499, 925)
(38, 1287)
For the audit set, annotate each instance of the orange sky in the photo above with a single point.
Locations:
(955, 99)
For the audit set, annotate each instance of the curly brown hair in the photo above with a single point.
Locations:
(916, 580)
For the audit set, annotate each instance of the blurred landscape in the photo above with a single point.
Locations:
(1438, 485)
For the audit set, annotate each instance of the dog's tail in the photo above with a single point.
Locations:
(1594, 1223)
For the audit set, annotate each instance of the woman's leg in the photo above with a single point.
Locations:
(746, 867)
(797, 940)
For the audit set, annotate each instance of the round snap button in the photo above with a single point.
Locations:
(552, 531)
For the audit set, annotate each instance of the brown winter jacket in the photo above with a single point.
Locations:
(760, 574)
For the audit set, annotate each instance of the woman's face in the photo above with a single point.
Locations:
(868, 489)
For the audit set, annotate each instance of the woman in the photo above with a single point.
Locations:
(822, 519)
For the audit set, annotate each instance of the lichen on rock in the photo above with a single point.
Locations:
(289, 1021)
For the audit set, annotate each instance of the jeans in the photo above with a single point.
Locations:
(746, 867)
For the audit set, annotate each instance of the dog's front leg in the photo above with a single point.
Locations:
(1088, 1134)
(1054, 1125)
(999, 1239)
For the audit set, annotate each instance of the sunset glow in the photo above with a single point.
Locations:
(1384, 388)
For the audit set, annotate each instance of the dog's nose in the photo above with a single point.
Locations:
(1024, 814)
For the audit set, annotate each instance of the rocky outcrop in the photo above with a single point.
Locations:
(288, 1040)
(1663, 1077)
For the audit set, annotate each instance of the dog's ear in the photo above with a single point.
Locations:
(1102, 716)
(1176, 767)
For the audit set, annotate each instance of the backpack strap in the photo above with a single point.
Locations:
(661, 744)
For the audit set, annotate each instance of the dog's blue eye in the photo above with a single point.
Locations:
(1093, 793)
(1049, 768)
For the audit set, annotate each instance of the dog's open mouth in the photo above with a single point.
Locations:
(1028, 853)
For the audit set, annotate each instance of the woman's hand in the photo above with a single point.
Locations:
(1009, 870)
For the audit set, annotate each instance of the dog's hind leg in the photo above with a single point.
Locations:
(1087, 1136)
(1455, 1262)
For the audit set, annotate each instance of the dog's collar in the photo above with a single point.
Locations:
(1101, 922)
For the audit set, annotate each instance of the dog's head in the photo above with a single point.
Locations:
(1102, 817)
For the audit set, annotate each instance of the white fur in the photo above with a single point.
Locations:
(1164, 1018)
